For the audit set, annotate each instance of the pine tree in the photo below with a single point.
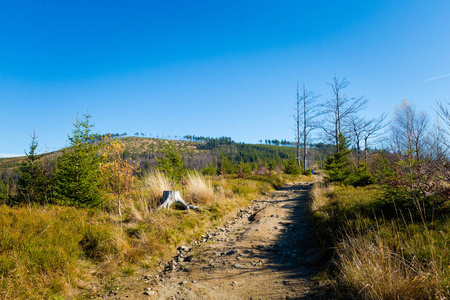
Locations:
(32, 183)
(224, 165)
(291, 167)
(77, 172)
(338, 165)
(171, 162)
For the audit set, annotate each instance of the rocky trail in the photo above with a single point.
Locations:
(265, 252)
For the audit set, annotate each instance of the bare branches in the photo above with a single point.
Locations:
(443, 112)
(409, 130)
(356, 126)
(306, 113)
(339, 108)
(373, 129)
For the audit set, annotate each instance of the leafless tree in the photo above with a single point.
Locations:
(373, 129)
(339, 108)
(409, 130)
(444, 115)
(439, 147)
(305, 114)
(409, 138)
(356, 127)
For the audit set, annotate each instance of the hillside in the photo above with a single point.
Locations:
(197, 155)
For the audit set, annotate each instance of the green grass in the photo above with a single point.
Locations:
(40, 249)
(382, 251)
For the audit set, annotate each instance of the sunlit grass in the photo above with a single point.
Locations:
(48, 252)
(380, 258)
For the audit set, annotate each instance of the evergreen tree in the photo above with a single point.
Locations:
(338, 164)
(291, 167)
(32, 183)
(210, 169)
(77, 171)
(171, 162)
(224, 166)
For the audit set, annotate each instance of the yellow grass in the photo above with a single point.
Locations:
(199, 189)
(373, 269)
(319, 195)
(156, 183)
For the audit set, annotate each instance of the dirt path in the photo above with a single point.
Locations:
(266, 252)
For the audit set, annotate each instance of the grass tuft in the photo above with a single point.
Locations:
(199, 189)
(371, 269)
(156, 183)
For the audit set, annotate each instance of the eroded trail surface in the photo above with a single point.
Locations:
(265, 252)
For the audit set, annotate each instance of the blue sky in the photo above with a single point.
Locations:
(211, 68)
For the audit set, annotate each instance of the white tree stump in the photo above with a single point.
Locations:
(170, 197)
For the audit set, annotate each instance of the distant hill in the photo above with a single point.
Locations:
(197, 154)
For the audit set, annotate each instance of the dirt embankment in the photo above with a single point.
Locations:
(265, 252)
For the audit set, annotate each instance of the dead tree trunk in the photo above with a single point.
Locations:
(170, 197)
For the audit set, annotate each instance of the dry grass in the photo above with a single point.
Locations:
(199, 189)
(140, 206)
(380, 258)
(374, 271)
(318, 194)
(156, 183)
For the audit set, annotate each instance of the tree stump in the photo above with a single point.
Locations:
(170, 197)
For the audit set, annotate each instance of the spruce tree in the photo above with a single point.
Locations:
(31, 184)
(337, 165)
(171, 162)
(224, 166)
(77, 171)
(291, 167)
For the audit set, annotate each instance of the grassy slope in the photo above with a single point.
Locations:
(380, 251)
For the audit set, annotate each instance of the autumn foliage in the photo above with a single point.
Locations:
(117, 174)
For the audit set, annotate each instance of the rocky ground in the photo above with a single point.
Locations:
(265, 252)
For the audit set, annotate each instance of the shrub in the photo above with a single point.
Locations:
(308, 172)
(359, 176)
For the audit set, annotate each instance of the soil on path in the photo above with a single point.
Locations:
(265, 252)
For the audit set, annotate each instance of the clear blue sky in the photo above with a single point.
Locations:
(211, 68)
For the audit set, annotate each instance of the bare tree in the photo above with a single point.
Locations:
(444, 115)
(409, 130)
(373, 129)
(339, 108)
(439, 147)
(356, 127)
(305, 114)
(409, 138)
